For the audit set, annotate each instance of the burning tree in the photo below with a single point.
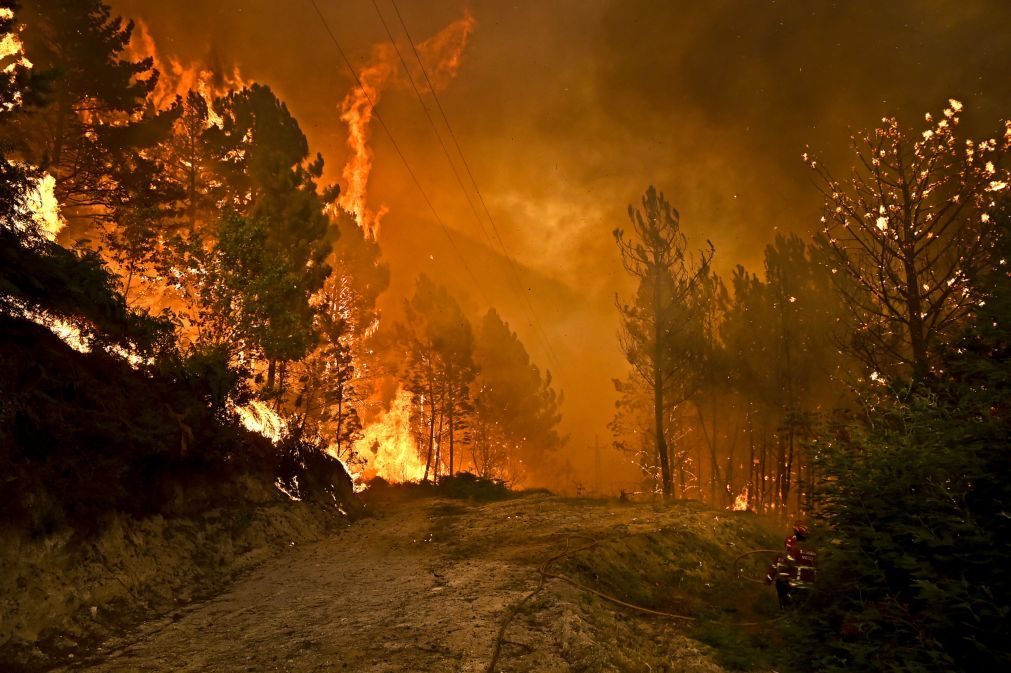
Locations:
(90, 134)
(440, 367)
(656, 327)
(334, 379)
(516, 410)
(907, 232)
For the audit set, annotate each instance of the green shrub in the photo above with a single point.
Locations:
(918, 578)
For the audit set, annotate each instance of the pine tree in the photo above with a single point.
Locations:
(657, 325)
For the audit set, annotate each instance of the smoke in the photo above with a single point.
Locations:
(567, 111)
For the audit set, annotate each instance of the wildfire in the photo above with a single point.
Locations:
(260, 418)
(67, 332)
(741, 501)
(177, 78)
(10, 46)
(11, 53)
(388, 445)
(444, 50)
(44, 207)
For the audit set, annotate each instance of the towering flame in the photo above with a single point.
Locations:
(44, 207)
(388, 445)
(177, 78)
(11, 57)
(442, 55)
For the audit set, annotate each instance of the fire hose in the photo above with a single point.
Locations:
(545, 575)
(748, 553)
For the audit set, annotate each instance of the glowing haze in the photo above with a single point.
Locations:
(568, 110)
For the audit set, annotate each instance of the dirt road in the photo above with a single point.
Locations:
(423, 585)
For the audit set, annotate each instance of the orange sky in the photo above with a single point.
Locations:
(568, 110)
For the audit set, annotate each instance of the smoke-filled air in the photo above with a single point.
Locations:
(466, 335)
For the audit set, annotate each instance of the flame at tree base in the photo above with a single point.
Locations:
(388, 446)
(741, 501)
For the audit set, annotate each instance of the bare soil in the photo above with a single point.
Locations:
(426, 585)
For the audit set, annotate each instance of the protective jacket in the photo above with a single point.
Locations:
(796, 567)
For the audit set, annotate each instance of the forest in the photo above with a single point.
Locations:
(199, 314)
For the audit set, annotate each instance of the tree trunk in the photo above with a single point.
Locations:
(438, 446)
(715, 478)
(750, 483)
(452, 404)
(788, 473)
(62, 110)
(658, 408)
(780, 465)
(431, 423)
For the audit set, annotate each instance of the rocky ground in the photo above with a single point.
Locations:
(437, 585)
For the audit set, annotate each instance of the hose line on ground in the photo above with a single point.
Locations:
(545, 576)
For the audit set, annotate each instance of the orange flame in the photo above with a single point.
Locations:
(741, 501)
(11, 58)
(257, 417)
(388, 444)
(356, 112)
(44, 207)
(445, 50)
(177, 78)
(12, 49)
(10, 46)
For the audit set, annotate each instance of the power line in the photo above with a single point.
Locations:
(463, 159)
(396, 146)
(452, 164)
(431, 122)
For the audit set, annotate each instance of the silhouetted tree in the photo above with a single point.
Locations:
(440, 365)
(91, 134)
(632, 429)
(516, 408)
(334, 379)
(907, 232)
(916, 494)
(657, 257)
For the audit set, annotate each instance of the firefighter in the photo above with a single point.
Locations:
(793, 572)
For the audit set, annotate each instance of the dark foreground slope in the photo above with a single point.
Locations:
(125, 493)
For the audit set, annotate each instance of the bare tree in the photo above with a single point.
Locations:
(657, 323)
(906, 232)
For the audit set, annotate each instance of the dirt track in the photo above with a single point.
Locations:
(421, 586)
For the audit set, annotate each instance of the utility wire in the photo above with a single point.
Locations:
(431, 122)
(463, 159)
(396, 146)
